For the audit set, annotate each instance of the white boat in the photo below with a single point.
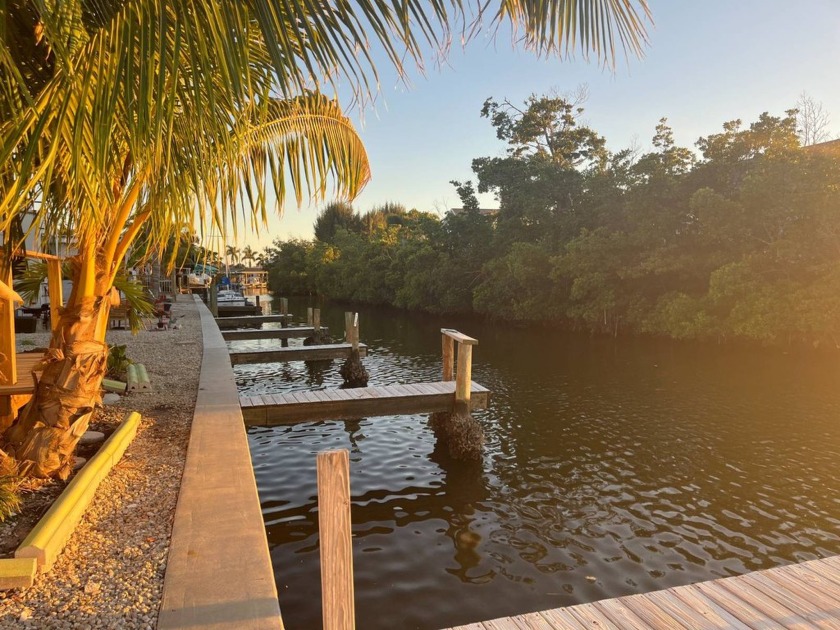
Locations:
(229, 297)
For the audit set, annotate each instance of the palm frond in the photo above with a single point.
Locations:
(118, 112)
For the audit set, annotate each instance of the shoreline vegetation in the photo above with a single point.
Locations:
(737, 242)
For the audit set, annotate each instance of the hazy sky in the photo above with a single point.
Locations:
(707, 62)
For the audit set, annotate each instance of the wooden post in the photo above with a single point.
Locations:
(348, 327)
(448, 357)
(337, 596)
(355, 340)
(55, 290)
(309, 316)
(214, 304)
(284, 310)
(463, 378)
(316, 319)
(8, 360)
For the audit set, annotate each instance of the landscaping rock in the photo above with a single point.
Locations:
(111, 399)
(91, 437)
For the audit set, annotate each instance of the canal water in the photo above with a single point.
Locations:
(611, 468)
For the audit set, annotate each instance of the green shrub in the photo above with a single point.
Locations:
(118, 362)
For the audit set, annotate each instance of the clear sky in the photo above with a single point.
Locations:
(707, 62)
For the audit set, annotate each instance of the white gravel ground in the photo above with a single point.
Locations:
(111, 572)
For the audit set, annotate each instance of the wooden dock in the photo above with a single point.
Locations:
(299, 353)
(363, 402)
(246, 321)
(805, 595)
(270, 333)
(231, 310)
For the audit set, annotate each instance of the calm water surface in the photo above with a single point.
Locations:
(610, 468)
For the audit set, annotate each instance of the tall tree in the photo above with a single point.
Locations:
(119, 116)
(232, 253)
(248, 255)
(812, 120)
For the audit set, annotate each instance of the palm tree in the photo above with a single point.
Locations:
(249, 255)
(232, 253)
(120, 117)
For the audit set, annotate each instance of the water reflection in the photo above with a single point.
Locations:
(610, 468)
(465, 487)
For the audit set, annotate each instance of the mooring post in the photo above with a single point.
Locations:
(463, 378)
(309, 316)
(214, 304)
(448, 356)
(284, 310)
(316, 319)
(348, 326)
(355, 341)
(463, 375)
(55, 290)
(337, 596)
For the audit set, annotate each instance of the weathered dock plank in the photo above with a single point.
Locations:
(294, 332)
(806, 595)
(301, 353)
(362, 402)
(245, 321)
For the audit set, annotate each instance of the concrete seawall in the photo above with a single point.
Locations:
(219, 572)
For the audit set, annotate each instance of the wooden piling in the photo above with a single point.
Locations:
(355, 340)
(212, 298)
(284, 310)
(337, 595)
(55, 291)
(309, 316)
(316, 319)
(448, 357)
(348, 326)
(463, 378)
(463, 375)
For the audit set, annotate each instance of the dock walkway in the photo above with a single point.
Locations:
(250, 320)
(362, 402)
(293, 332)
(300, 353)
(805, 595)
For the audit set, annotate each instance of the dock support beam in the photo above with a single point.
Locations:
(337, 595)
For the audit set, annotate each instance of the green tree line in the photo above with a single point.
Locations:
(739, 239)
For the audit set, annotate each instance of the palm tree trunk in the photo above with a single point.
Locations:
(45, 435)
